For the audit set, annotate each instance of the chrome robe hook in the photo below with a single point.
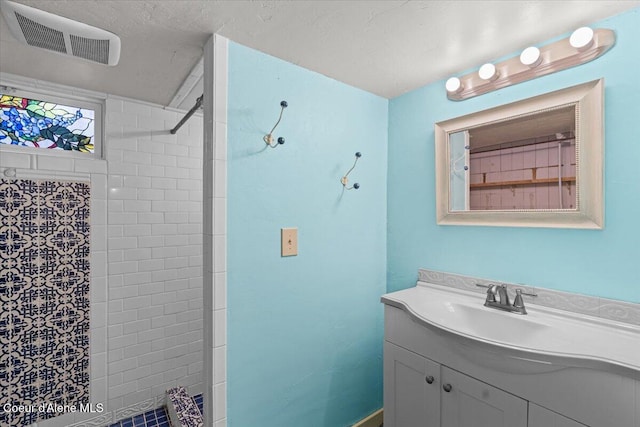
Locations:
(268, 138)
(344, 180)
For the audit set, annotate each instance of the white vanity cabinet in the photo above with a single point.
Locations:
(411, 389)
(491, 385)
(422, 393)
(541, 417)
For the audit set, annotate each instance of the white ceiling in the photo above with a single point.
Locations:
(384, 47)
(542, 124)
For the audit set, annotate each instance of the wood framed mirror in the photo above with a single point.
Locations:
(538, 162)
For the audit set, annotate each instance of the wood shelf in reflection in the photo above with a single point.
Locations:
(521, 182)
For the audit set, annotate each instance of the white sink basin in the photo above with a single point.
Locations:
(543, 331)
(497, 325)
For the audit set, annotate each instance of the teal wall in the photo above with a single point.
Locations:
(593, 262)
(305, 332)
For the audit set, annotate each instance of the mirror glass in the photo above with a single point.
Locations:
(527, 162)
(532, 163)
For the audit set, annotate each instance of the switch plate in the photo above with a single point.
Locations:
(289, 241)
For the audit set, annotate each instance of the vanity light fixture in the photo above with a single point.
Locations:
(582, 38)
(584, 45)
(531, 57)
(454, 85)
(488, 72)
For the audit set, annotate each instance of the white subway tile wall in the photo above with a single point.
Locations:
(155, 252)
(214, 230)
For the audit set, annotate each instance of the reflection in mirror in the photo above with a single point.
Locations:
(537, 162)
(526, 162)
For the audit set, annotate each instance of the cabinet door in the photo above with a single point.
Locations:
(472, 403)
(541, 417)
(411, 389)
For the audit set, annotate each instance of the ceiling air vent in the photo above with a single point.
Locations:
(58, 34)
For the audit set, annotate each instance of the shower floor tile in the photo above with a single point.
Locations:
(199, 402)
(156, 418)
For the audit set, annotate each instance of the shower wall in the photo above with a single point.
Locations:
(146, 256)
(154, 255)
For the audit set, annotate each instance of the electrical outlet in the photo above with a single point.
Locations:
(289, 241)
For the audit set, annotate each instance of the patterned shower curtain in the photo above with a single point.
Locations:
(44, 298)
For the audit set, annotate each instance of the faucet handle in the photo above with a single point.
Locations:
(526, 293)
(491, 294)
(518, 301)
(492, 290)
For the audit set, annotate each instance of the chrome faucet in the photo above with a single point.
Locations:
(504, 296)
(502, 302)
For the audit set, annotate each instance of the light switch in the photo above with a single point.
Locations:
(289, 241)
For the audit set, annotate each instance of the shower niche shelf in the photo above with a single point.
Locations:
(522, 182)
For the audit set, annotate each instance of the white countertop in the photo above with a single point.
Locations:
(583, 339)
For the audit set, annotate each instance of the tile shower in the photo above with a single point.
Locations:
(145, 317)
(146, 251)
(44, 290)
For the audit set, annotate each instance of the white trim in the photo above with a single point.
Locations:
(17, 81)
(44, 175)
(14, 81)
(373, 420)
(214, 234)
(192, 80)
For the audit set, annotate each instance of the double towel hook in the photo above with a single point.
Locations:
(344, 180)
(268, 138)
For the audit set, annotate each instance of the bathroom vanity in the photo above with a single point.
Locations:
(451, 362)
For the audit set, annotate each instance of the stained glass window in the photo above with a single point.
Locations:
(32, 123)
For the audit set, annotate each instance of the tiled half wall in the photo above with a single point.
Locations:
(44, 296)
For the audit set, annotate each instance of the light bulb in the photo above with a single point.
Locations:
(488, 72)
(531, 57)
(582, 38)
(454, 85)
